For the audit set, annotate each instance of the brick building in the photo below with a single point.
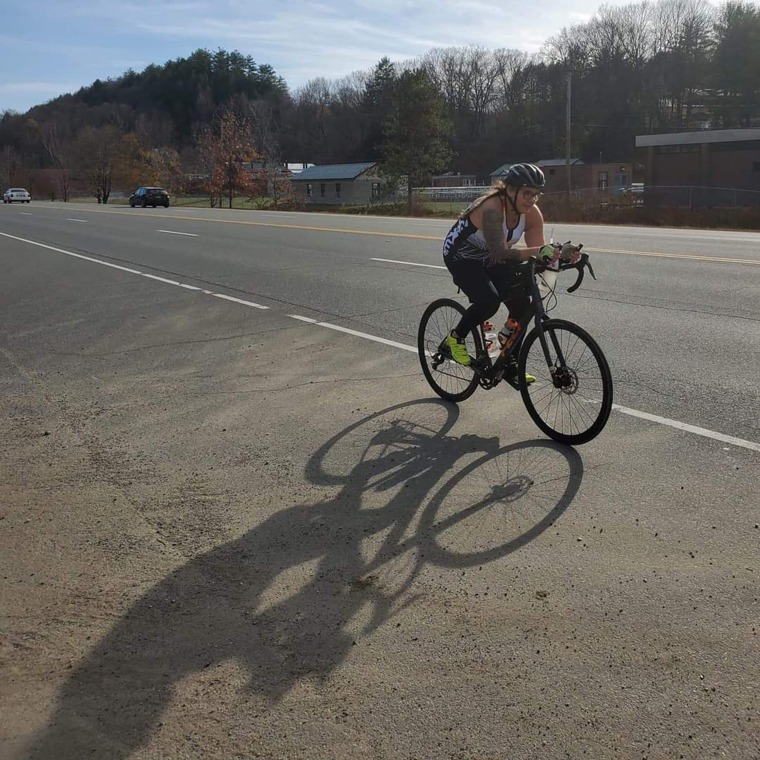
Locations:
(718, 167)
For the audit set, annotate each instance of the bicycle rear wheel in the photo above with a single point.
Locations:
(451, 381)
(571, 398)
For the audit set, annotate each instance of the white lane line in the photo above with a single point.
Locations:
(83, 221)
(751, 445)
(410, 263)
(159, 279)
(172, 232)
(237, 300)
(688, 428)
(25, 213)
(134, 271)
(70, 253)
(358, 334)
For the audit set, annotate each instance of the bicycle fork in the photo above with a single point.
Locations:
(563, 377)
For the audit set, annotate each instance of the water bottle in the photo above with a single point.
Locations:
(508, 334)
(492, 345)
(547, 280)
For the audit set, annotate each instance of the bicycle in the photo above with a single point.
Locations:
(571, 398)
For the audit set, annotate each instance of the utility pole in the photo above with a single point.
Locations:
(567, 135)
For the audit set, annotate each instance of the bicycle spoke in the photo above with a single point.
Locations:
(565, 400)
(450, 380)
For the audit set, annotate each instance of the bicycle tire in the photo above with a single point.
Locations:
(451, 381)
(577, 412)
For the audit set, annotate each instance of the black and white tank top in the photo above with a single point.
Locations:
(466, 241)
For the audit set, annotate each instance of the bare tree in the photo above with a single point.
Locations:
(155, 130)
(507, 65)
(225, 148)
(98, 150)
(311, 113)
(10, 163)
(736, 64)
(60, 154)
(681, 49)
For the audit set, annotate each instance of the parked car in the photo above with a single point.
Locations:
(635, 192)
(149, 196)
(16, 194)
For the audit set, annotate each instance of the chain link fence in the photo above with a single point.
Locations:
(452, 200)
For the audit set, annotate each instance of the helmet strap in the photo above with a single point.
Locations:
(512, 200)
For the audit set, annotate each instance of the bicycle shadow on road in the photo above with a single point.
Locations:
(409, 494)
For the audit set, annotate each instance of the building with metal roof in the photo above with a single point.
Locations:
(497, 174)
(339, 184)
(335, 171)
(711, 167)
(600, 177)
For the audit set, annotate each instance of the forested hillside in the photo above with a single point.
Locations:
(640, 68)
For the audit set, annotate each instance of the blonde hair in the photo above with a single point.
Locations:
(498, 188)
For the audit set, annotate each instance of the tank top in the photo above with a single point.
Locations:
(465, 241)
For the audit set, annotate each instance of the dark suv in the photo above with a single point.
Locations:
(149, 196)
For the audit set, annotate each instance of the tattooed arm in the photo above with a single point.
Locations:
(492, 227)
(534, 239)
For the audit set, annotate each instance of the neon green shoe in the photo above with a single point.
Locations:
(458, 350)
(510, 375)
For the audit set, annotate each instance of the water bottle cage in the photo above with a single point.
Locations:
(508, 335)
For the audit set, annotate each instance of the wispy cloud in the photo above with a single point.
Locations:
(35, 87)
(82, 40)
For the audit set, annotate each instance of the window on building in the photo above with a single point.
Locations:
(375, 190)
(309, 190)
(690, 148)
(337, 189)
(552, 172)
(322, 189)
(602, 180)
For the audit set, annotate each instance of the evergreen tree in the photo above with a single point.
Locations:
(416, 131)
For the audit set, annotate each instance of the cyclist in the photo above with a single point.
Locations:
(480, 253)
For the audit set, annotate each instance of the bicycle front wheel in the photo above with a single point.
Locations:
(571, 398)
(451, 381)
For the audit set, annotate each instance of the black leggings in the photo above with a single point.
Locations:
(487, 288)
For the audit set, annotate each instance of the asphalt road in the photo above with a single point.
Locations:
(236, 524)
(676, 311)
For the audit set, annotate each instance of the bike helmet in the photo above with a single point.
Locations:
(524, 175)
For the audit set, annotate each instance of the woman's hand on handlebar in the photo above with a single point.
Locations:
(553, 254)
(570, 252)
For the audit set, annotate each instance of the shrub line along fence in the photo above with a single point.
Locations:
(679, 196)
(724, 208)
(655, 206)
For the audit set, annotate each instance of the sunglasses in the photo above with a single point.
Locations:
(530, 195)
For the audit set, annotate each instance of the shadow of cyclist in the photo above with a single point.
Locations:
(211, 610)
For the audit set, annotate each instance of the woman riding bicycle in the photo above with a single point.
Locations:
(480, 252)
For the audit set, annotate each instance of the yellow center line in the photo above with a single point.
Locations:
(411, 236)
(722, 259)
(272, 224)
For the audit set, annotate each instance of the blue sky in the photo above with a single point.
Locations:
(58, 46)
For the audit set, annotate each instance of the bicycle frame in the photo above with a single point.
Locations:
(493, 371)
(562, 374)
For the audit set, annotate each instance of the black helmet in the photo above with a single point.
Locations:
(524, 175)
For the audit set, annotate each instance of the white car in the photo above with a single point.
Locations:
(16, 194)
